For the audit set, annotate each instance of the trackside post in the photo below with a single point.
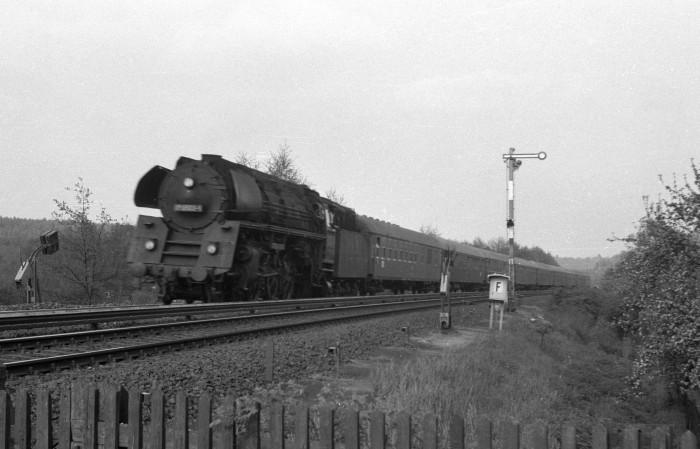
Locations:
(498, 297)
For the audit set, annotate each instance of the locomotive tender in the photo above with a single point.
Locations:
(230, 233)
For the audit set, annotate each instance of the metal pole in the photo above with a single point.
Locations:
(510, 225)
(513, 163)
(37, 291)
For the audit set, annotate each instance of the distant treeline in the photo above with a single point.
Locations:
(595, 267)
(500, 245)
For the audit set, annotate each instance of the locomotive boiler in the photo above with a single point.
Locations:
(229, 232)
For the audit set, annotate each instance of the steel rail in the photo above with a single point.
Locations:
(55, 317)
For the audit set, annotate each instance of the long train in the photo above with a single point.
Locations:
(231, 233)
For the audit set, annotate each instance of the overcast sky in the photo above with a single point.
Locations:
(403, 107)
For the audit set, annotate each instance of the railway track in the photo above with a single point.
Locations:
(44, 353)
(23, 320)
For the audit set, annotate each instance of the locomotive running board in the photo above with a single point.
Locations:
(281, 230)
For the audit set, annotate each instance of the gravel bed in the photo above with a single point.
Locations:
(239, 368)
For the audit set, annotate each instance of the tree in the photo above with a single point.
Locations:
(478, 243)
(658, 281)
(334, 196)
(86, 260)
(247, 160)
(500, 245)
(282, 165)
(430, 230)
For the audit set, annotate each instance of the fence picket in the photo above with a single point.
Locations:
(277, 425)
(181, 436)
(135, 437)
(377, 430)
(540, 435)
(430, 431)
(226, 429)
(352, 429)
(43, 420)
(511, 435)
(456, 432)
(91, 412)
(568, 436)
(600, 438)
(484, 433)
(630, 438)
(77, 413)
(203, 420)
(5, 411)
(22, 424)
(157, 434)
(659, 439)
(326, 419)
(110, 401)
(250, 439)
(689, 441)
(301, 426)
(403, 430)
(64, 419)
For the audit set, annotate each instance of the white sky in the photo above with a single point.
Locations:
(404, 107)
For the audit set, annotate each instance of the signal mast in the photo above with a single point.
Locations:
(513, 162)
(28, 268)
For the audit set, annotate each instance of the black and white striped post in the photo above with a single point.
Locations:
(513, 162)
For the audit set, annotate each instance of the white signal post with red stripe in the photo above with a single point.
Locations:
(513, 162)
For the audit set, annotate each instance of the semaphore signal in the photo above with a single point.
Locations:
(513, 162)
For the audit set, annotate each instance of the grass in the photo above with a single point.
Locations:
(569, 366)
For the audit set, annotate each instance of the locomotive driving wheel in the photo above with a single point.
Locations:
(286, 280)
(287, 287)
(272, 286)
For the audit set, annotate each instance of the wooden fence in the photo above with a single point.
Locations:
(104, 417)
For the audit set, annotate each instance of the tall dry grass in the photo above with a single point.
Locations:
(568, 367)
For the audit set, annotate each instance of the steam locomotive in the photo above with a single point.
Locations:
(232, 233)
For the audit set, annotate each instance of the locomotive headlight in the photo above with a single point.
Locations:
(150, 245)
(188, 182)
(212, 248)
